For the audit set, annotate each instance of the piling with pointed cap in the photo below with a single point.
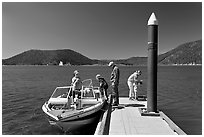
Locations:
(152, 64)
(152, 20)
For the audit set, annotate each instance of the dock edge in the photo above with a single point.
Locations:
(104, 122)
(171, 124)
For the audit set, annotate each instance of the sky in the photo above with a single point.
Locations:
(98, 30)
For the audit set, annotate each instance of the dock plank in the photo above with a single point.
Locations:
(128, 121)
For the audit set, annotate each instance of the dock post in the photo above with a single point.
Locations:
(152, 64)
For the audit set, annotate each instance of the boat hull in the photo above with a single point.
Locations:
(69, 126)
(70, 114)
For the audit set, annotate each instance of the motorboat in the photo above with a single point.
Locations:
(68, 113)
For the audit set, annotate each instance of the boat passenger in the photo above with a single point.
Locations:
(103, 85)
(133, 84)
(76, 84)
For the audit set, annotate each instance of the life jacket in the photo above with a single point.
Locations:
(77, 84)
(103, 83)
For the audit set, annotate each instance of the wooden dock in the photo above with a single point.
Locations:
(132, 117)
(127, 120)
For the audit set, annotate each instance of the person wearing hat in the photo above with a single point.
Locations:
(103, 85)
(115, 75)
(133, 83)
(76, 84)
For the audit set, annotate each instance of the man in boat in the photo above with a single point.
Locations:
(115, 75)
(103, 85)
(133, 84)
(76, 84)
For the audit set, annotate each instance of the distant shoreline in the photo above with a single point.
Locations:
(107, 65)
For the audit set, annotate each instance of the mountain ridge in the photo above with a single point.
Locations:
(48, 57)
(187, 53)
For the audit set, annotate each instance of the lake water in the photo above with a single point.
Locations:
(26, 88)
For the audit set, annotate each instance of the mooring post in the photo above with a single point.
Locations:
(152, 64)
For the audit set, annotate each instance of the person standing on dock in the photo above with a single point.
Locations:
(133, 83)
(103, 85)
(115, 75)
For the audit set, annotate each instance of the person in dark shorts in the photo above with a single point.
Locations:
(103, 85)
(114, 79)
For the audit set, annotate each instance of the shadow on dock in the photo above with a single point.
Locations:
(123, 106)
(133, 105)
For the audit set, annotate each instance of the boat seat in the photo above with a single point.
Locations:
(58, 101)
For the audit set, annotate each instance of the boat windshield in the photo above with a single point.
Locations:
(61, 92)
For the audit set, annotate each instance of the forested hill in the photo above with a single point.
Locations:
(187, 53)
(50, 57)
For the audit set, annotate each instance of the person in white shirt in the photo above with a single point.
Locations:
(76, 84)
(133, 83)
